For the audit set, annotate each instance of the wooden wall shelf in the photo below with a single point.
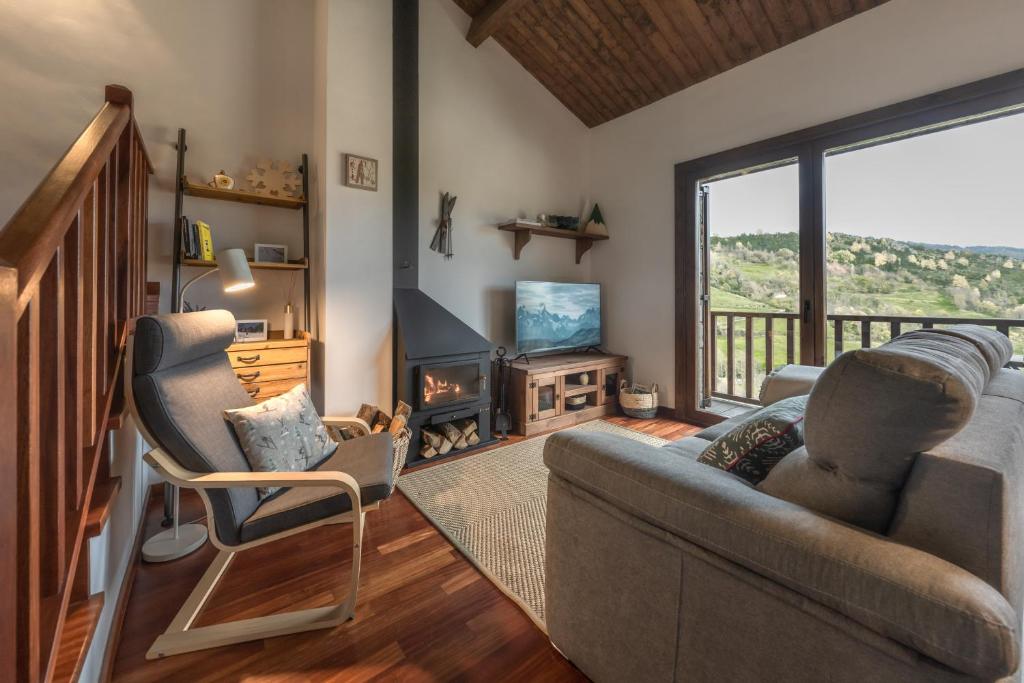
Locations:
(300, 264)
(185, 187)
(525, 231)
(197, 190)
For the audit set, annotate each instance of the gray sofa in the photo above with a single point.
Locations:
(886, 549)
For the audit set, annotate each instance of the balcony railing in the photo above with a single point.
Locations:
(747, 345)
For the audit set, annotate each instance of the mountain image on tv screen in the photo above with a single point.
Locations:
(557, 315)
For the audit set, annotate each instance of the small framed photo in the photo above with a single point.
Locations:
(270, 253)
(361, 172)
(250, 330)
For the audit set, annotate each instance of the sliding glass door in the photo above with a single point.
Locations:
(750, 299)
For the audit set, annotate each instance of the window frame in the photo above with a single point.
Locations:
(809, 146)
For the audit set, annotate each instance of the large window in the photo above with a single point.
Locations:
(924, 228)
(843, 236)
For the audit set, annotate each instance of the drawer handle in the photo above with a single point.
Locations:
(249, 376)
(247, 359)
(253, 393)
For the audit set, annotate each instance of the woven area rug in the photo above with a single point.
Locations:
(492, 507)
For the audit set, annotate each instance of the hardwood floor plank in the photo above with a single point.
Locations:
(424, 612)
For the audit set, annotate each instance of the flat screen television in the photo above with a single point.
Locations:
(554, 316)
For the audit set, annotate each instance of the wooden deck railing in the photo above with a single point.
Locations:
(767, 340)
(72, 277)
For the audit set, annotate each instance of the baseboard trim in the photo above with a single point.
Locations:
(666, 413)
(123, 595)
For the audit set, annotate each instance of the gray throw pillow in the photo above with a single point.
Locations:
(751, 449)
(282, 434)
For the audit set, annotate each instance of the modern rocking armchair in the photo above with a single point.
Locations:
(178, 383)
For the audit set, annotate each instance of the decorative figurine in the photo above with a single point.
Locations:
(596, 226)
(222, 181)
(277, 179)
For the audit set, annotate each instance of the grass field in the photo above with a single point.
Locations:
(759, 273)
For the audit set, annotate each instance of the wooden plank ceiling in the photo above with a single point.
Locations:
(605, 58)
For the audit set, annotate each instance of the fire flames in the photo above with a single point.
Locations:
(433, 388)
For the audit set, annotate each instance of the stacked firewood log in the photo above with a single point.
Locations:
(378, 421)
(443, 438)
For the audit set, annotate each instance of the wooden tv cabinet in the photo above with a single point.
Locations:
(538, 389)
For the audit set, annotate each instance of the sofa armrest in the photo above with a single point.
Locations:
(787, 381)
(902, 593)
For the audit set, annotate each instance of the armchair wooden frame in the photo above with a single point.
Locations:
(181, 636)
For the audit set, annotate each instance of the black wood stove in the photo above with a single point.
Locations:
(442, 370)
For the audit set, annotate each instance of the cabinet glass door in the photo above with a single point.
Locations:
(547, 397)
(610, 380)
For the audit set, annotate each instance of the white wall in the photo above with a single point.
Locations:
(111, 552)
(900, 50)
(494, 136)
(236, 74)
(354, 61)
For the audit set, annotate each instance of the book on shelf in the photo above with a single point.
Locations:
(188, 243)
(205, 241)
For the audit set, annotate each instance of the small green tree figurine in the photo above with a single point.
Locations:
(596, 226)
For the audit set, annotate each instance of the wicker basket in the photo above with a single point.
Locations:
(400, 451)
(639, 401)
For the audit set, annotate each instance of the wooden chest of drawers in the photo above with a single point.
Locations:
(272, 367)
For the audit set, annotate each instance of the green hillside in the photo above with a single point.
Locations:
(759, 272)
(869, 276)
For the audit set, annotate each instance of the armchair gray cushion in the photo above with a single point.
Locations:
(183, 382)
(367, 459)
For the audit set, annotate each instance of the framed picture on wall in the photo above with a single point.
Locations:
(270, 253)
(361, 172)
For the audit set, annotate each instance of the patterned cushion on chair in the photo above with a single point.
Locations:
(282, 434)
(760, 441)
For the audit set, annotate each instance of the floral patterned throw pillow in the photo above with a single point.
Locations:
(282, 434)
(752, 449)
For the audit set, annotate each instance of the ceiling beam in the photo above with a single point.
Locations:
(489, 20)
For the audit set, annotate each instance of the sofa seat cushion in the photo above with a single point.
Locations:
(722, 428)
(752, 448)
(869, 415)
(688, 447)
(367, 459)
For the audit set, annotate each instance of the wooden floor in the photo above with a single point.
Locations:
(424, 612)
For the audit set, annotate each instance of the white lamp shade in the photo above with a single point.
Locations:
(234, 270)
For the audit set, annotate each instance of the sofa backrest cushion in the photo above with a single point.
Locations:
(869, 415)
(994, 346)
(182, 383)
(964, 499)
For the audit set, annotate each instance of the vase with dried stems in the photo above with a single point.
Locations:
(289, 311)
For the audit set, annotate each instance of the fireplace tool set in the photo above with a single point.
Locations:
(503, 372)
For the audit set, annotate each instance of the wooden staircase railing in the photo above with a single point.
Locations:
(72, 278)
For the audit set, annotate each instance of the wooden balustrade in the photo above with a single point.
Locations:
(741, 324)
(72, 277)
